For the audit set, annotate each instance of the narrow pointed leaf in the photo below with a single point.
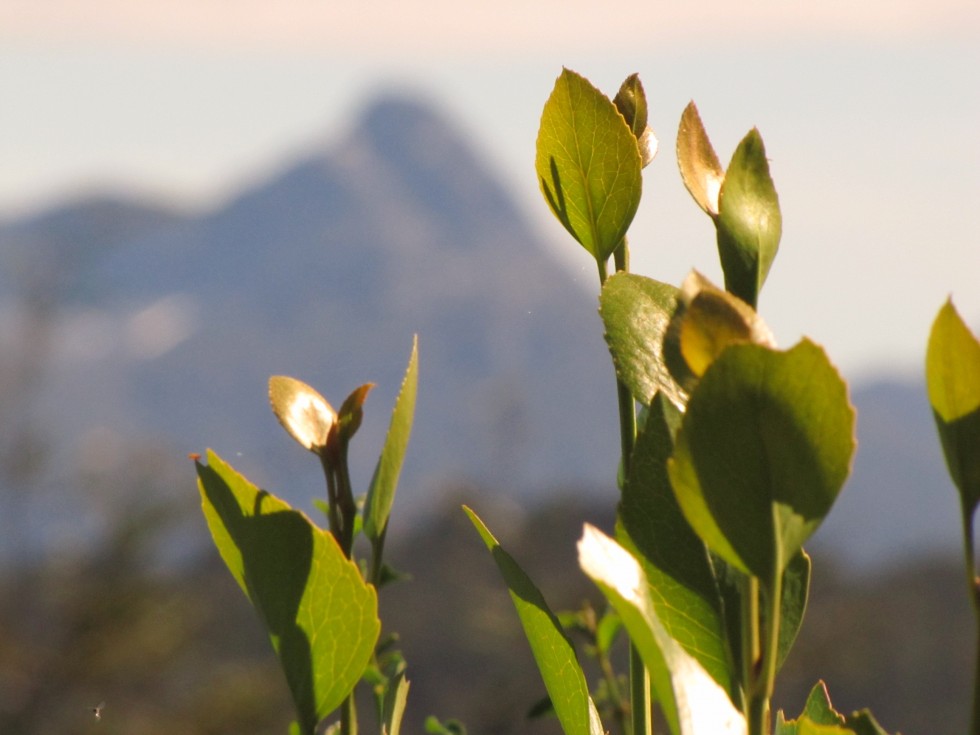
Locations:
(749, 224)
(554, 654)
(763, 451)
(321, 616)
(953, 383)
(700, 168)
(796, 593)
(394, 704)
(384, 483)
(674, 560)
(637, 313)
(693, 702)
(588, 165)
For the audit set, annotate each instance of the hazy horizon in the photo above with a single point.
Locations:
(867, 114)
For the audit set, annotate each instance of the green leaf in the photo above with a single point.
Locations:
(763, 451)
(637, 313)
(796, 592)
(864, 723)
(554, 654)
(607, 630)
(820, 718)
(394, 704)
(352, 412)
(381, 496)
(700, 168)
(588, 165)
(449, 727)
(692, 701)
(631, 101)
(749, 223)
(953, 384)
(321, 616)
(674, 560)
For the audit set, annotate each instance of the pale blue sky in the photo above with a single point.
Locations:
(870, 113)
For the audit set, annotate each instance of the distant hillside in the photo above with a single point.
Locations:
(324, 272)
(154, 327)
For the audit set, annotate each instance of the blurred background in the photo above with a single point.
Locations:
(195, 196)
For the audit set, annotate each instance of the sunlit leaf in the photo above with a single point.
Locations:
(637, 313)
(763, 451)
(693, 702)
(700, 168)
(588, 165)
(554, 654)
(953, 384)
(384, 483)
(394, 704)
(749, 223)
(321, 615)
(303, 412)
(712, 320)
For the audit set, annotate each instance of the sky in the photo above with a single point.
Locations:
(870, 114)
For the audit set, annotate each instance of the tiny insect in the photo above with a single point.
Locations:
(97, 711)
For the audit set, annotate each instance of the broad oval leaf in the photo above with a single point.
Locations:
(693, 702)
(588, 165)
(554, 654)
(384, 483)
(321, 615)
(303, 412)
(749, 223)
(637, 312)
(763, 451)
(700, 168)
(953, 383)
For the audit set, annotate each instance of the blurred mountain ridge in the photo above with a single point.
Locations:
(167, 325)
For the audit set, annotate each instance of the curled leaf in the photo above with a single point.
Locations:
(631, 101)
(700, 168)
(712, 320)
(303, 412)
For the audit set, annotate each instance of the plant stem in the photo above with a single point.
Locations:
(973, 586)
(341, 514)
(620, 705)
(641, 711)
(764, 669)
(640, 704)
(348, 716)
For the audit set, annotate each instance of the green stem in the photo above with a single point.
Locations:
(620, 704)
(764, 674)
(346, 504)
(332, 504)
(641, 717)
(973, 585)
(348, 716)
(640, 702)
(749, 599)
